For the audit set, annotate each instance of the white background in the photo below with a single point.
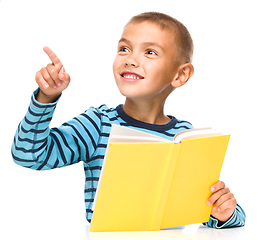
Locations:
(84, 34)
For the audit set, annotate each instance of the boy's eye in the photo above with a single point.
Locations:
(123, 49)
(151, 52)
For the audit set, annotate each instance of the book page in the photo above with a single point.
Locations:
(125, 134)
(195, 133)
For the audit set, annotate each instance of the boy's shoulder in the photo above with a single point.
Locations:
(101, 115)
(102, 110)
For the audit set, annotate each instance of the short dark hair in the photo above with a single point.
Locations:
(183, 39)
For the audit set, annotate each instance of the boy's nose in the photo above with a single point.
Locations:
(131, 62)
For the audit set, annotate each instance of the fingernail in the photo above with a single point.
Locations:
(209, 203)
(59, 84)
(212, 189)
(46, 85)
(61, 75)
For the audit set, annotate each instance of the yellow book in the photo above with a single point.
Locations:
(150, 183)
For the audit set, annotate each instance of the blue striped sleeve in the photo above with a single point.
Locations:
(236, 220)
(38, 147)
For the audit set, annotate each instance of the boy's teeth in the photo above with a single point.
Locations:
(131, 76)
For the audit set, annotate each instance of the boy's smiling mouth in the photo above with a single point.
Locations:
(130, 76)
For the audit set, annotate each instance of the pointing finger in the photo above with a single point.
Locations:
(55, 60)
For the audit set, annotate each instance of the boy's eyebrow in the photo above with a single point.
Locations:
(124, 40)
(153, 44)
(145, 44)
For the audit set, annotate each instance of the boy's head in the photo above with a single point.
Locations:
(154, 57)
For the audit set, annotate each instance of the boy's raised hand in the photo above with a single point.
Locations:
(224, 202)
(52, 79)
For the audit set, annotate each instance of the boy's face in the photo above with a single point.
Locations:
(144, 66)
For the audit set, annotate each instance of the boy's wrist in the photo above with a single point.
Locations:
(38, 107)
(43, 98)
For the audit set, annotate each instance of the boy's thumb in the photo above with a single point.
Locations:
(63, 75)
(62, 70)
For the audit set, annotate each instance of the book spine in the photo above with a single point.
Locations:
(158, 209)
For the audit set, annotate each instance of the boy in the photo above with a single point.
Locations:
(153, 58)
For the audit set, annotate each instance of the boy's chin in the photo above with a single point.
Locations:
(129, 94)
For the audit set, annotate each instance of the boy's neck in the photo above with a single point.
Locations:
(145, 111)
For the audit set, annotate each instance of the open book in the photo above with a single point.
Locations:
(150, 183)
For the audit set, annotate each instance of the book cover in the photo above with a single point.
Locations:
(154, 185)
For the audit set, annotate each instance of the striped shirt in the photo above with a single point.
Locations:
(84, 138)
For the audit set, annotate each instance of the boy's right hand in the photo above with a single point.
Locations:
(52, 79)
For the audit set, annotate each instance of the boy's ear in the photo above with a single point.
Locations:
(185, 71)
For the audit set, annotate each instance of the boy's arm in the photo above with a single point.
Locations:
(36, 146)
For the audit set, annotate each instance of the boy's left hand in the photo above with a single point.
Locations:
(223, 201)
